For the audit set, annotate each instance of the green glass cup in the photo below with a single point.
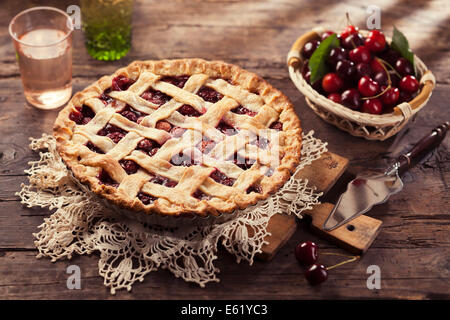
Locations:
(107, 27)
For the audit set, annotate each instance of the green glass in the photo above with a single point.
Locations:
(107, 27)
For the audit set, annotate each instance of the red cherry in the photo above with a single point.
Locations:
(368, 87)
(375, 41)
(376, 66)
(363, 69)
(332, 83)
(403, 67)
(381, 78)
(409, 84)
(326, 34)
(335, 97)
(360, 54)
(306, 253)
(373, 106)
(352, 41)
(350, 29)
(351, 99)
(390, 97)
(316, 274)
(309, 48)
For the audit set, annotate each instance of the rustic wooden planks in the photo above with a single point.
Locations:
(412, 249)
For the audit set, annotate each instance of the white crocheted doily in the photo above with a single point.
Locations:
(130, 249)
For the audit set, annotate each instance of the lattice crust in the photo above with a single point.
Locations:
(180, 137)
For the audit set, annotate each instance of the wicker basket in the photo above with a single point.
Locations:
(369, 126)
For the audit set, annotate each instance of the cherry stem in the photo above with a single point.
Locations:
(378, 95)
(349, 22)
(352, 258)
(387, 63)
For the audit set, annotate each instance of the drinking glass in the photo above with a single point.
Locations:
(42, 38)
(107, 27)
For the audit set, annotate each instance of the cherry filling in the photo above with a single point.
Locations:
(129, 166)
(187, 110)
(243, 163)
(206, 145)
(260, 142)
(254, 188)
(82, 115)
(226, 128)
(178, 81)
(106, 179)
(220, 177)
(132, 114)
(177, 132)
(121, 83)
(113, 132)
(209, 94)
(163, 181)
(200, 195)
(105, 98)
(182, 159)
(146, 198)
(243, 110)
(94, 148)
(155, 96)
(148, 146)
(277, 125)
(163, 125)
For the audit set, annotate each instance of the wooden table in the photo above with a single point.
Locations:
(413, 248)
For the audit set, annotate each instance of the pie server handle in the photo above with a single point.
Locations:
(425, 145)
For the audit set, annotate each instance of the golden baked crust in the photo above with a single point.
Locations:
(245, 86)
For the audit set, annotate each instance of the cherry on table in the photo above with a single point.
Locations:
(368, 87)
(332, 83)
(360, 54)
(403, 67)
(316, 274)
(309, 48)
(372, 106)
(351, 99)
(375, 41)
(409, 84)
(306, 253)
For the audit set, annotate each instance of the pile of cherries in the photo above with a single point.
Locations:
(366, 73)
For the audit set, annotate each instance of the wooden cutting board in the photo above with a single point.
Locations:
(355, 236)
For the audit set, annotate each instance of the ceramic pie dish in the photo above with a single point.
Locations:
(180, 138)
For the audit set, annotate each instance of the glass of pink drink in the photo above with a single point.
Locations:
(42, 37)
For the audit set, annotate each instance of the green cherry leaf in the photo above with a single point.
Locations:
(400, 43)
(316, 63)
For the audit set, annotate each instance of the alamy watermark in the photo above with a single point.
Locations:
(374, 280)
(74, 280)
(74, 12)
(374, 17)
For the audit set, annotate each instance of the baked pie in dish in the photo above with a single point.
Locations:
(182, 137)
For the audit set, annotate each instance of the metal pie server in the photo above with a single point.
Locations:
(368, 190)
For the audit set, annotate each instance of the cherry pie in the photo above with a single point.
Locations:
(180, 137)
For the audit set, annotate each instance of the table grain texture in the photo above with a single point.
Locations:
(413, 248)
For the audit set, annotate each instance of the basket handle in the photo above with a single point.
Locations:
(424, 94)
(294, 59)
